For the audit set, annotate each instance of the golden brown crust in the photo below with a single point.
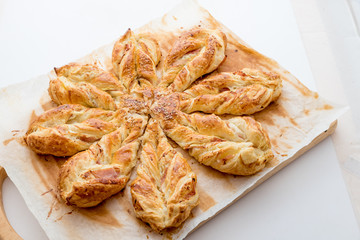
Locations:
(235, 145)
(244, 92)
(134, 60)
(94, 175)
(164, 192)
(69, 128)
(197, 52)
(87, 84)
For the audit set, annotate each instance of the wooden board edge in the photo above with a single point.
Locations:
(314, 142)
(7, 232)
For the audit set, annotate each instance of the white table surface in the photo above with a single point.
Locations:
(330, 30)
(305, 200)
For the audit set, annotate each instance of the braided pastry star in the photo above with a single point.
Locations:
(106, 122)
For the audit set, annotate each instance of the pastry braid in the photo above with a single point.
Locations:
(91, 176)
(235, 145)
(134, 60)
(197, 52)
(69, 128)
(244, 92)
(164, 192)
(87, 85)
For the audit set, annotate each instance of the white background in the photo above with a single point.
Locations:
(306, 200)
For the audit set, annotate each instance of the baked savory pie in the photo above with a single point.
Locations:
(111, 122)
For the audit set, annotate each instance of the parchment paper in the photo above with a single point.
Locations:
(292, 123)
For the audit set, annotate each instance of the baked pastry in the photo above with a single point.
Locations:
(164, 191)
(243, 92)
(91, 176)
(69, 128)
(132, 103)
(85, 84)
(103, 118)
(234, 145)
(134, 60)
(196, 53)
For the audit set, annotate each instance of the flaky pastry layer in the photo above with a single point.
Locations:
(91, 176)
(234, 145)
(240, 93)
(164, 192)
